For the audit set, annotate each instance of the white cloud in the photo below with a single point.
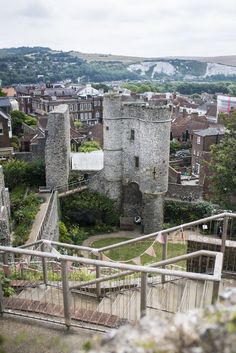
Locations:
(133, 27)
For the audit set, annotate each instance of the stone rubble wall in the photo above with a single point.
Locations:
(51, 227)
(57, 151)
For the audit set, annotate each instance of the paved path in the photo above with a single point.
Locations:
(121, 234)
(39, 218)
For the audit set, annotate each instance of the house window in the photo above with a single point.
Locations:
(1, 129)
(107, 127)
(198, 140)
(136, 160)
(132, 134)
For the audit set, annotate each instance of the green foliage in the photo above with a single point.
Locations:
(223, 165)
(6, 285)
(15, 143)
(89, 146)
(17, 118)
(19, 172)
(63, 234)
(24, 207)
(101, 208)
(175, 145)
(77, 124)
(2, 94)
(176, 212)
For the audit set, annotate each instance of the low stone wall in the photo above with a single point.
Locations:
(200, 331)
(24, 156)
(179, 192)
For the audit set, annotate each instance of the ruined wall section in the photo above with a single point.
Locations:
(113, 151)
(57, 152)
(50, 229)
(4, 212)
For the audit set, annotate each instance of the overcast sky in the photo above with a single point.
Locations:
(129, 27)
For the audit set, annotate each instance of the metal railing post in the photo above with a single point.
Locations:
(143, 299)
(1, 300)
(164, 255)
(215, 292)
(6, 268)
(98, 275)
(44, 266)
(66, 292)
(224, 235)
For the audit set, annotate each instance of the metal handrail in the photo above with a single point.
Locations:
(166, 231)
(121, 266)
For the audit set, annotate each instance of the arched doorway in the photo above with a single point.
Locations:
(132, 200)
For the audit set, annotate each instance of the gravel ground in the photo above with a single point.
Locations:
(22, 335)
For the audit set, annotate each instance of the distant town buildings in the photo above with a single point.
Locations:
(85, 104)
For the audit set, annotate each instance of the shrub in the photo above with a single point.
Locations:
(181, 212)
(89, 146)
(19, 172)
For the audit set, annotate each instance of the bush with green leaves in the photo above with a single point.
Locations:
(20, 172)
(18, 118)
(89, 146)
(6, 285)
(99, 207)
(177, 212)
(24, 207)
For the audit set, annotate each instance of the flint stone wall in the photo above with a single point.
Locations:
(50, 229)
(57, 151)
(136, 131)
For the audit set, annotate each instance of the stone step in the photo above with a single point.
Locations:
(82, 315)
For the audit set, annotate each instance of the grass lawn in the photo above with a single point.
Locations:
(131, 251)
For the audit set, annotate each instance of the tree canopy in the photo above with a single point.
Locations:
(223, 165)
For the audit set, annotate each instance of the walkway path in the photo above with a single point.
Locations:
(39, 218)
(174, 237)
(121, 234)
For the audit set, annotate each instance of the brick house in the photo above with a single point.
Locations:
(201, 151)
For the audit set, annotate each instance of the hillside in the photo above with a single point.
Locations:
(34, 64)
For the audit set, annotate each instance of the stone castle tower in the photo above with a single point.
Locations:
(136, 158)
(57, 150)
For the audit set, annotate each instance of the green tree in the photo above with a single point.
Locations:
(223, 165)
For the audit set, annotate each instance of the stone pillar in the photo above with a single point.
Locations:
(57, 151)
(152, 213)
(112, 132)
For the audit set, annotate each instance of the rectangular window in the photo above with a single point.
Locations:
(1, 128)
(198, 140)
(132, 134)
(136, 159)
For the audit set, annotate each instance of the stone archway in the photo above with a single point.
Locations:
(131, 200)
